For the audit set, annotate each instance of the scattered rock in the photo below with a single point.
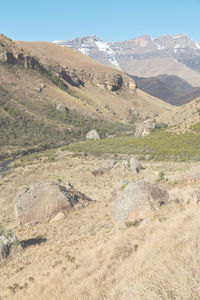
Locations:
(135, 165)
(45, 200)
(93, 135)
(145, 128)
(62, 108)
(193, 174)
(125, 164)
(138, 201)
(58, 217)
(103, 167)
(8, 243)
(68, 185)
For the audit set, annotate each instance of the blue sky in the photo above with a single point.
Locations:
(114, 20)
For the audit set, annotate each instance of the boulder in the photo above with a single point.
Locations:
(8, 241)
(62, 108)
(144, 128)
(93, 135)
(103, 167)
(58, 217)
(138, 201)
(193, 173)
(44, 201)
(135, 165)
(117, 188)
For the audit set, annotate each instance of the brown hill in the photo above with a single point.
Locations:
(170, 88)
(36, 77)
(98, 80)
(183, 118)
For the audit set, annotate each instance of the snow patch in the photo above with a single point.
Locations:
(178, 48)
(158, 46)
(84, 50)
(197, 45)
(178, 36)
(104, 47)
(57, 42)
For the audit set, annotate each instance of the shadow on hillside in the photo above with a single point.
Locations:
(33, 241)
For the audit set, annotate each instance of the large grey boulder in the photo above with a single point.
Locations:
(144, 128)
(44, 201)
(62, 108)
(138, 201)
(93, 135)
(103, 167)
(135, 165)
(193, 173)
(8, 242)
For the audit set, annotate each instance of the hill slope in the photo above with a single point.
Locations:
(169, 88)
(36, 77)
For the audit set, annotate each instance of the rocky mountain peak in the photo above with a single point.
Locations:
(138, 55)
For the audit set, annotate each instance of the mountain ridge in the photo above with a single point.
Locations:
(137, 56)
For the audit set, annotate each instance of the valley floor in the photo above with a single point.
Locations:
(85, 256)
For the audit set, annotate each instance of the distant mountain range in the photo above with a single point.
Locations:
(145, 56)
(169, 88)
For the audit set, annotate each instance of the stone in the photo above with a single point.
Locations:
(8, 243)
(62, 108)
(93, 135)
(125, 164)
(117, 188)
(193, 173)
(103, 167)
(68, 185)
(138, 201)
(144, 128)
(58, 217)
(4, 251)
(135, 165)
(44, 201)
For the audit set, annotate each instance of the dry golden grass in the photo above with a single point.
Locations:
(85, 256)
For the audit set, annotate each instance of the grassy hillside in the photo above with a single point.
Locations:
(46, 127)
(160, 145)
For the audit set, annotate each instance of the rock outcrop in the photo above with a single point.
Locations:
(139, 201)
(44, 201)
(93, 135)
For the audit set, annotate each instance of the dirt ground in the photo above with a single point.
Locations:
(64, 245)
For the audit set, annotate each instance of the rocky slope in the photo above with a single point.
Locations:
(145, 56)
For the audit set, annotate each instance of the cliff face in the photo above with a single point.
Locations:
(77, 77)
(11, 54)
(112, 82)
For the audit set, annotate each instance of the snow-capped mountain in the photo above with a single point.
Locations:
(144, 55)
(93, 47)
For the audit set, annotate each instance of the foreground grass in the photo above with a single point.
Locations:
(160, 145)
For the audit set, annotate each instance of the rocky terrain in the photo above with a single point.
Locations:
(88, 251)
(100, 197)
(145, 56)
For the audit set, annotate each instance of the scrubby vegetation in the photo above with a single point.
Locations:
(160, 145)
(25, 129)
